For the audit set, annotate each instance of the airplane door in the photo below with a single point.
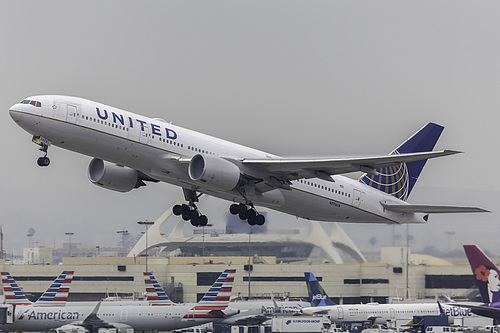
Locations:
(71, 115)
(190, 315)
(340, 313)
(356, 198)
(123, 316)
(145, 135)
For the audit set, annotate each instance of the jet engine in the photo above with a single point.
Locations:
(113, 177)
(214, 172)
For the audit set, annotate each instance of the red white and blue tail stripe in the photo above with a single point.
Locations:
(12, 292)
(216, 300)
(155, 293)
(57, 294)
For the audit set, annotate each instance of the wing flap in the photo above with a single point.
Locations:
(431, 209)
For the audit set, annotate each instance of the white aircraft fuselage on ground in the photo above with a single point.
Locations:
(383, 313)
(140, 317)
(129, 148)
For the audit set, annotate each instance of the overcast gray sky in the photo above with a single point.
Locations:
(295, 78)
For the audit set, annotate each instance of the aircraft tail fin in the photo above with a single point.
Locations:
(317, 295)
(399, 180)
(155, 293)
(214, 304)
(12, 291)
(485, 272)
(57, 293)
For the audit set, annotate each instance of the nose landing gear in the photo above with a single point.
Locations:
(44, 147)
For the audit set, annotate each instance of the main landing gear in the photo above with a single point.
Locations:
(248, 213)
(190, 212)
(44, 147)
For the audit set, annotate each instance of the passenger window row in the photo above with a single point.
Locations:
(326, 188)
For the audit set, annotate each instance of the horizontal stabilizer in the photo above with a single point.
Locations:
(431, 209)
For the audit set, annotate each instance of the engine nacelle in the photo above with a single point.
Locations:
(112, 176)
(214, 172)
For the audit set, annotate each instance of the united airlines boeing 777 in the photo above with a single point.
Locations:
(129, 149)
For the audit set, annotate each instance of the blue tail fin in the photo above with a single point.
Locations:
(317, 296)
(399, 180)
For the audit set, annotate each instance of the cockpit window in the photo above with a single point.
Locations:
(34, 103)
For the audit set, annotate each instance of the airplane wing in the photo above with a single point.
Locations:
(250, 320)
(431, 209)
(292, 169)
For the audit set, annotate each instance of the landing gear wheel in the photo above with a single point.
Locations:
(242, 208)
(43, 161)
(234, 209)
(177, 210)
(195, 222)
(202, 220)
(260, 219)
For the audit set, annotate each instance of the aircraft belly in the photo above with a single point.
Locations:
(321, 208)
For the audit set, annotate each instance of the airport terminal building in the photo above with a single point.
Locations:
(186, 279)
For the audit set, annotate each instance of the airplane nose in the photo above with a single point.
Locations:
(15, 112)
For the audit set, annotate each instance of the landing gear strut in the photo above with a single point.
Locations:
(249, 213)
(190, 212)
(44, 147)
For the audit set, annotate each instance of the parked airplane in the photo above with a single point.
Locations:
(129, 149)
(249, 312)
(374, 312)
(92, 316)
(486, 274)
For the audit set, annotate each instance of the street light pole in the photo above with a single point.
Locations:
(146, 224)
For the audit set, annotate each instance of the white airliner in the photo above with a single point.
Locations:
(374, 312)
(248, 312)
(137, 315)
(129, 149)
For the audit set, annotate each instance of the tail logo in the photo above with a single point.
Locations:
(488, 279)
(393, 180)
(318, 297)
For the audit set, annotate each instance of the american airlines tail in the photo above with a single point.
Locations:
(57, 294)
(155, 293)
(317, 295)
(486, 275)
(12, 291)
(399, 180)
(215, 302)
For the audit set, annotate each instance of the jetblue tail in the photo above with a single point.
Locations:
(155, 293)
(12, 291)
(317, 295)
(57, 294)
(399, 180)
(485, 273)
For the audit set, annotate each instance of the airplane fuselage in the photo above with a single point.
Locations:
(140, 316)
(160, 150)
(382, 313)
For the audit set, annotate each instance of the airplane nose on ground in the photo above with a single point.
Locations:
(15, 112)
